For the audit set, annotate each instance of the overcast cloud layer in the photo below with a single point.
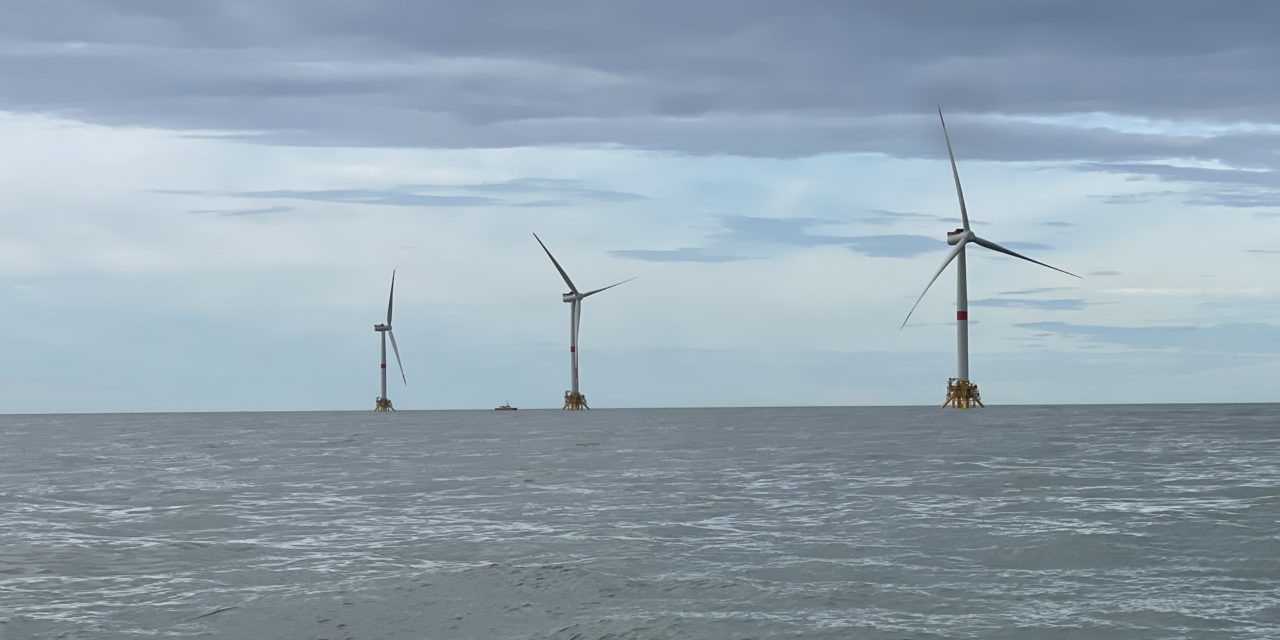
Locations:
(769, 79)
(772, 170)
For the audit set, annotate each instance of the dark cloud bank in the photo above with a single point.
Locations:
(747, 77)
(411, 72)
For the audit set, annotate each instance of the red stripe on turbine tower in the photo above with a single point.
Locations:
(384, 365)
(962, 315)
(572, 349)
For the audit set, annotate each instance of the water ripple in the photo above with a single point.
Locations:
(1078, 522)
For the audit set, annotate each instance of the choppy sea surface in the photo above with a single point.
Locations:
(1087, 522)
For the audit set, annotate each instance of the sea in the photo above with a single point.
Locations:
(1035, 522)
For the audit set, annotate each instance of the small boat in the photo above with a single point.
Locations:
(506, 406)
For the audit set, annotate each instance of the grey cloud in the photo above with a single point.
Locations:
(1171, 173)
(1061, 304)
(1239, 188)
(1263, 251)
(372, 196)
(1036, 291)
(735, 133)
(565, 192)
(884, 216)
(242, 212)
(1247, 200)
(791, 231)
(749, 231)
(573, 188)
(1241, 338)
(892, 246)
(1137, 198)
(1105, 272)
(545, 203)
(686, 254)
(741, 237)
(715, 77)
(179, 192)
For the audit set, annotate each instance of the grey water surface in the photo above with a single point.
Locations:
(1087, 522)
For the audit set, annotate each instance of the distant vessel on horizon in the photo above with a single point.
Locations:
(506, 406)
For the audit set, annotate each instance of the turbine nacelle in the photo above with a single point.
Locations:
(958, 236)
(570, 297)
(381, 327)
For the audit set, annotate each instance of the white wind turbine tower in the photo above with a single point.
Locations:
(383, 403)
(573, 398)
(961, 392)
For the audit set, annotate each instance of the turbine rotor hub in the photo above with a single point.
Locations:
(958, 236)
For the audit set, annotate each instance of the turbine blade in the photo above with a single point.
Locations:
(592, 293)
(577, 324)
(391, 298)
(557, 264)
(955, 251)
(397, 352)
(995, 247)
(964, 213)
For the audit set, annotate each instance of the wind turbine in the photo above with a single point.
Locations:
(961, 392)
(573, 398)
(383, 403)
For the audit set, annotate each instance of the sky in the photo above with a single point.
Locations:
(201, 203)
